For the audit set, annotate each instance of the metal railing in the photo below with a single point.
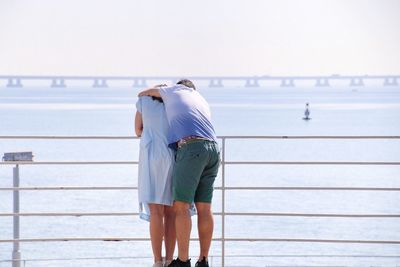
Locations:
(223, 239)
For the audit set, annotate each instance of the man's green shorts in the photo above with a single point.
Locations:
(196, 167)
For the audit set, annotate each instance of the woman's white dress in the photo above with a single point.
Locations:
(155, 158)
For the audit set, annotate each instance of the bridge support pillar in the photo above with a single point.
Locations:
(100, 83)
(14, 82)
(58, 83)
(139, 83)
(215, 83)
(390, 81)
(356, 82)
(252, 83)
(287, 83)
(322, 82)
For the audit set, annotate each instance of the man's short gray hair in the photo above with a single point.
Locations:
(187, 83)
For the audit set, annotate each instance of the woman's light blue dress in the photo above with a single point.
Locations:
(155, 158)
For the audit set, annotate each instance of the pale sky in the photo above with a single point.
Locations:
(203, 37)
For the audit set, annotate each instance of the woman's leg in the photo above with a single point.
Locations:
(170, 234)
(156, 229)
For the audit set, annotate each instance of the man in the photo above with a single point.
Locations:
(196, 164)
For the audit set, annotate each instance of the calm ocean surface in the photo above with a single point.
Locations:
(371, 110)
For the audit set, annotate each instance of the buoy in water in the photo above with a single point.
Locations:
(307, 113)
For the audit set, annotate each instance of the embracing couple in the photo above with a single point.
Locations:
(178, 163)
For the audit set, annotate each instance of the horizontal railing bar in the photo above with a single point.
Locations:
(68, 137)
(220, 137)
(216, 256)
(226, 162)
(310, 163)
(76, 258)
(311, 137)
(313, 240)
(44, 188)
(311, 215)
(78, 214)
(68, 188)
(315, 188)
(68, 162)
(111, 239)
(312, 256)
(25, 240)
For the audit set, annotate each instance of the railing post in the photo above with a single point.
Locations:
(15, 157)
(223, 204)
(16, 253)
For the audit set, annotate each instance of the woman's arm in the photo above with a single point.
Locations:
(138, 124)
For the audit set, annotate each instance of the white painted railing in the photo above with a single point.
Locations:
(223, 239)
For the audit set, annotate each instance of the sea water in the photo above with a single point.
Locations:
(236, 111)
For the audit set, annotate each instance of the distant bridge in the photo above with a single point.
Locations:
(213, 81)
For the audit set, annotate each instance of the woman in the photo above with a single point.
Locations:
(154, 178)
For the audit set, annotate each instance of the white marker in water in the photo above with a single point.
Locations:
(307, 113)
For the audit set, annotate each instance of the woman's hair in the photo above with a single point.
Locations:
(159, 99)
(187, 83)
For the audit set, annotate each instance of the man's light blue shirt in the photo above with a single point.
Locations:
(188, 114)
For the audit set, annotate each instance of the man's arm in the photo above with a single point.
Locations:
(150, 92)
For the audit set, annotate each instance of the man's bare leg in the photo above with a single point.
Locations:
(205, 225)
(183, 226)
